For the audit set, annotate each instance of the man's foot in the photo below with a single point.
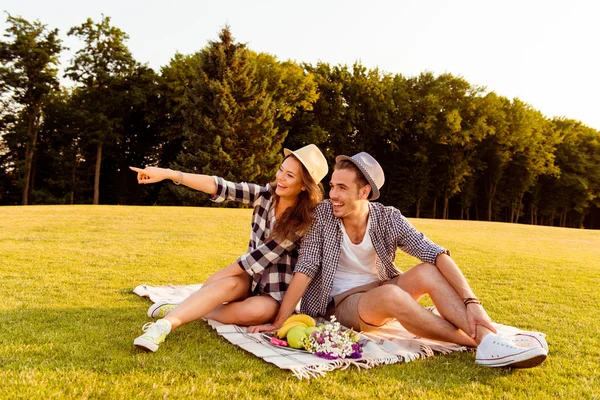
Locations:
(155, 334)
(161, 309)
(529, 339)
(498, 351)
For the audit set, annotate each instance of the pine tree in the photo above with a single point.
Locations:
(229, 127)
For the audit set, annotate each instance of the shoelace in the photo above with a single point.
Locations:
(152, 330)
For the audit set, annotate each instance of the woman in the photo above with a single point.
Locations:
(254, 285)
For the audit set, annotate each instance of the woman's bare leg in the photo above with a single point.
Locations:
(209, 297)
(254, 310)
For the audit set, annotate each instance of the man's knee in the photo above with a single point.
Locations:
(420, 279)
(386, 296)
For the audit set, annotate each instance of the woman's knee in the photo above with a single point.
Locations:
(256, 312)
(234, 284)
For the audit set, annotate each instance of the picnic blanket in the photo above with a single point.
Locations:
(388, 345)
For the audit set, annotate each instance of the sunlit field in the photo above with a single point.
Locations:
(69, 317)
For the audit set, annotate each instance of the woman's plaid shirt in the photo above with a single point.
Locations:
(321, 246)
(269, 262)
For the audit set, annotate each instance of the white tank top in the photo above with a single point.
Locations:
(357, 263)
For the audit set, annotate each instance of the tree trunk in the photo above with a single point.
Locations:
(97, 174)
(32, 134)
(512, 212)
(519, 208)
(552, 219)
(445, 213)
(468, 209)
(462, 212)
(434, 206)
(73, 176)
(491, 199)
(581, 221)
(531, 212)
(418, 207)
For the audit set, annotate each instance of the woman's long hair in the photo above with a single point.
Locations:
(297, 219)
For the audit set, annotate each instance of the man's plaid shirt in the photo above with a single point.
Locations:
(269, 262)
(321, 246)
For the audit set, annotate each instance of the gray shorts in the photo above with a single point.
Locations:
(345, 306)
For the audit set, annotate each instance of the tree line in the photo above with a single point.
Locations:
(450, 149)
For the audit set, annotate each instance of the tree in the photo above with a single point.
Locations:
(99, 67)
(534, 143)
(577, 186)
(497, 149)
(27, 75)
(229, 118)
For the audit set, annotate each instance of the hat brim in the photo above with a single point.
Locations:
(317, 179)
(374, 189)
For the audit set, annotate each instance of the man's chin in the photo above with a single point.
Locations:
(338, 213)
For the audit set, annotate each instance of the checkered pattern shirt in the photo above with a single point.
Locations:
(321, 246)
(269, 262)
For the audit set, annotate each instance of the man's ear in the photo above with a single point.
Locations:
(364, 192)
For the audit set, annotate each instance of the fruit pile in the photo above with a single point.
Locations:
(330, 341)
(296, 329)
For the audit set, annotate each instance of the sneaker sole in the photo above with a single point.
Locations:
(156, 308)
(146, 345)
(528, 359)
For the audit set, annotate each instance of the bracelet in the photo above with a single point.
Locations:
(180, 176)
(471, 300)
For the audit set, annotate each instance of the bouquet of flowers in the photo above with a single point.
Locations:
(330, 341)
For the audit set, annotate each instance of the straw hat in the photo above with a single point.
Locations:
(313, 160)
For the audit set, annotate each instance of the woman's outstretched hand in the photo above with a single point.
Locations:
(263, 328)
(152, 174)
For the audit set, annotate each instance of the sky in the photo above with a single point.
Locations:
(546, 53)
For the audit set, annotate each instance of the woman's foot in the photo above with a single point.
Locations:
(161, 309)
(155, 334)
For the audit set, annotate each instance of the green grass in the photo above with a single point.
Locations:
(68, 316)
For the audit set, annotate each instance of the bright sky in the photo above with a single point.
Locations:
(544, 52)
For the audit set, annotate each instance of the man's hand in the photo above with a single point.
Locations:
(476, 315)
(263, 328)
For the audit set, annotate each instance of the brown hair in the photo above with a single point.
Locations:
(297, 219)
(359, 179)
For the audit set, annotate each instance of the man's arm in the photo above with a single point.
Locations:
(308, 266)
(292, 296)
(476, 314)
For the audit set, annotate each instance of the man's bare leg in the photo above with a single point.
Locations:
(427, 279)
(377, 306)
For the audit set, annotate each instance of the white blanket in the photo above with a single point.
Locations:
(388, 345)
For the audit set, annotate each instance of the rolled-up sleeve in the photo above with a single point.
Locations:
(265, 255)
(415, 243)
(241, 192)
(310, 253)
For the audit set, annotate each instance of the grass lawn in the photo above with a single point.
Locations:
(68, 315)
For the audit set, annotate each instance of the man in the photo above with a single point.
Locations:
(346, 268)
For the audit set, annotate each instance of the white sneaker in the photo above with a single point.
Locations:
(161, 309)
(155, 334)
(498, 351)
(529, 339)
